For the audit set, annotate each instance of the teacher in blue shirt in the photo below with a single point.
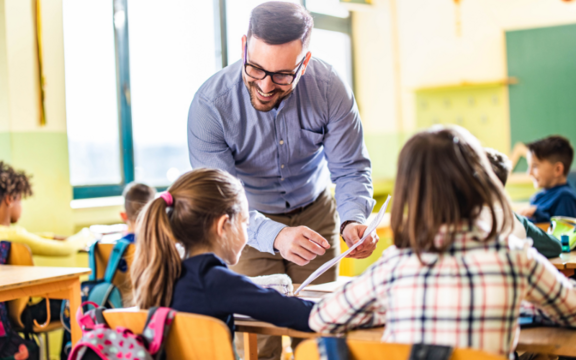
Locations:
(285, 123)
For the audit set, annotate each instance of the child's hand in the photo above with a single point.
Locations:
(353, 232)
(528, 211)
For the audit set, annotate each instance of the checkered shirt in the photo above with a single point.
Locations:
(470, 296)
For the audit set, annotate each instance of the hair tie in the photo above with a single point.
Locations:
(167, 198)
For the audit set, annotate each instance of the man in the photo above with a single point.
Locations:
(284, 123)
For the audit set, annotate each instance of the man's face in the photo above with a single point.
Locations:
(264, 94)
(542, 171)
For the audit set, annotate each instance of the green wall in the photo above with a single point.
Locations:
(543, 102)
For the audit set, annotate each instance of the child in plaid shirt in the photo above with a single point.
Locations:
(449, 278)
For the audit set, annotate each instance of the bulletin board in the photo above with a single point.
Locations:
(480, 108)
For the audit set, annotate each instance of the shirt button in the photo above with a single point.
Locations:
(282, 179)
(282, 166)
(281, 142)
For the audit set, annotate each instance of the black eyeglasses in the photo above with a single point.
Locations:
(278, 78)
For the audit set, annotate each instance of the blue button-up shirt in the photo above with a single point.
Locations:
(284, 157)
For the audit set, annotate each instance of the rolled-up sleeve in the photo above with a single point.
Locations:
(346, 153)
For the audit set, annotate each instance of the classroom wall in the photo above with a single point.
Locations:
(431, 53)
(39, 150)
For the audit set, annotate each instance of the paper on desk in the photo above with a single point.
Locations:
(369, 230)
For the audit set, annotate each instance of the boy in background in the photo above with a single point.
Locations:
(15, 185)
(136, 196)
(549, 163)
(545, 243)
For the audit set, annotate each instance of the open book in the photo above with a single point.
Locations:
(369, 230)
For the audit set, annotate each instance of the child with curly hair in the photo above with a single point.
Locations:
(15, 185)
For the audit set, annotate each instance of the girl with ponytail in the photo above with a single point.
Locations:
(205, 211)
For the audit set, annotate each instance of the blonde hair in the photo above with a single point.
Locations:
(200, 197)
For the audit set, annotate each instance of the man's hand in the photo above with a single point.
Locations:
(528, 211)
(300, 244)
(353, 232)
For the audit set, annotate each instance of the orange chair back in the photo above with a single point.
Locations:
(372, 350)
(122, 280)
(191, 336)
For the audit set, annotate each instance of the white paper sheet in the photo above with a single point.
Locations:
(369, 230)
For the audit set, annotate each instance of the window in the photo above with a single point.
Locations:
(91, 98)
(168, 63)
(132, 69)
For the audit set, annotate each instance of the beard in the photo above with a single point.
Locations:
(265, 105)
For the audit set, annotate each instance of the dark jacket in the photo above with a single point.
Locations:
(208, 287)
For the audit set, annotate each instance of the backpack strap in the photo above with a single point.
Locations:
(5, 327)
(157, 327)
(117, 253)
(92, 261)
(4, 251)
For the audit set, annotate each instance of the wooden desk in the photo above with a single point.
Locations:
(50, 282)
(566, 263)
(544, 340)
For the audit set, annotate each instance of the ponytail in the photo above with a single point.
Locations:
(158, 263)
(194, 201)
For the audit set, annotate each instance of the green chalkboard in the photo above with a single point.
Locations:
(543, 102)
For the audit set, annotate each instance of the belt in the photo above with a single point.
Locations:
(298, 210)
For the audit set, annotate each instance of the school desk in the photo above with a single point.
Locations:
(566, 263)
(546, 340)
(49, 282)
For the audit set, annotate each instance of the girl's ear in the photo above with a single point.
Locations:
(221, 224)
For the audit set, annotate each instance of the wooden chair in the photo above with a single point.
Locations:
(191, 336)
(122, 280)
(20, 254)
(544, 226)
(372, 350)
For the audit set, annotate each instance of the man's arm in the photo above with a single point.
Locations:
(208, 148)
(349, 164)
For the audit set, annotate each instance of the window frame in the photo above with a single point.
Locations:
(122, 56)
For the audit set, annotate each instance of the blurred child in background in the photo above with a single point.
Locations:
(15, 185)
(545, 243)
(136, 196)
(549, 162)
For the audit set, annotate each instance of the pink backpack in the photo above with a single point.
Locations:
(99, 342)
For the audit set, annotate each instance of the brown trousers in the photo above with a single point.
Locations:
(320, 216)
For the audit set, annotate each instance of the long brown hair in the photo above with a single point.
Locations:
(200, 197)
(443, 178)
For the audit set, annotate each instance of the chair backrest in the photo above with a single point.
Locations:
(372, 350)
(543, 226)
(191, 336)
(122, 280)
(20, 254)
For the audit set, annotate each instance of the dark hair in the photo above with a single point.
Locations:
(554, 149)
(279, 22)
(200, 197)
(443, 179)
(136, 196)
(13, 183)
(500, 164)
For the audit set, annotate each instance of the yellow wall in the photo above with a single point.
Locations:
(39, 150)
(432, 53)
